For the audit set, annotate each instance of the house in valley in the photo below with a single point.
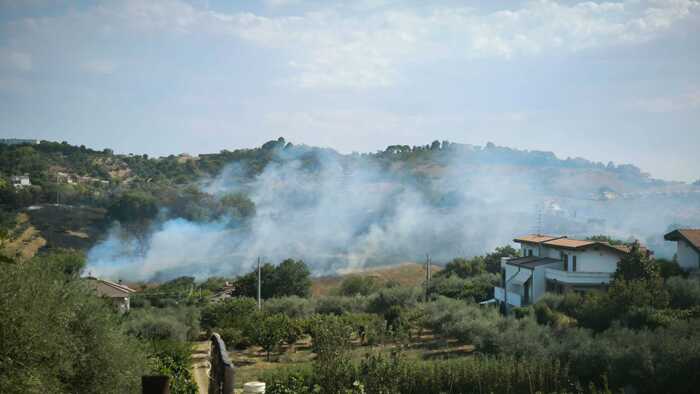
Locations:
(117, 293)
(687, 247)
(556, 264)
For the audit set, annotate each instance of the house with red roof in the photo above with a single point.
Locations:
(687, 247)
(557, 264)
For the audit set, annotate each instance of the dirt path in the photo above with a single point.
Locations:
(200, 366)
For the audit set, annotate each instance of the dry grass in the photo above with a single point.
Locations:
(25, 241)
(406, 274)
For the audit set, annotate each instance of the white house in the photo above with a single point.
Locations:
(688, 247)
(556, 264)
(118, 293)
(20, 181)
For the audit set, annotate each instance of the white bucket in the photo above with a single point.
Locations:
(254, 388)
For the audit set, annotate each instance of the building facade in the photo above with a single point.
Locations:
(687, 247)
(556, 264)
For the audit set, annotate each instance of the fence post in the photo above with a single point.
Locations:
(221, 375)
(155, 385)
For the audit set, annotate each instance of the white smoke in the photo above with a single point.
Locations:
(345, 212)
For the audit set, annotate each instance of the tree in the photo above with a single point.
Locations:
(636, 265)
(464, 268)
(58, 337)
(294, 331)
(292, 277)
(358, 285)
(270, 331)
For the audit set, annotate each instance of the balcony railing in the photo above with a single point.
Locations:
(513, 298)
(578, 278)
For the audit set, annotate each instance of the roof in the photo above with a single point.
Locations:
(109, 289)
(531, 261)
(535, 238)
(692, 236)
(570, 243)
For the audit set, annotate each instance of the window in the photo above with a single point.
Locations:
(565, 259)
(529, 252)
(573, 263)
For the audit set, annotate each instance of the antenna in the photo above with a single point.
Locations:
(539, 207)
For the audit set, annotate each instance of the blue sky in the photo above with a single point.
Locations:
(606, 81)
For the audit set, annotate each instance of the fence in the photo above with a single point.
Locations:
(221, 373)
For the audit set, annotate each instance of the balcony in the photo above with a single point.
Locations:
(513, 298)
(577, 278)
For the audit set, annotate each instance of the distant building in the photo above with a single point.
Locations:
(20, 181)
(17, 141)
(687, 247)
(556, 264)
(119, 294)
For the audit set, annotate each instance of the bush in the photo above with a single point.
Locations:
(294, 307)
(685, 293)
(338, 305)
(358, 285)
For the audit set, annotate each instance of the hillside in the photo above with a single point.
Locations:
(212, 214)
(405, 274)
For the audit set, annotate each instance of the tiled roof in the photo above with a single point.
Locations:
(535, 238)
(109, 289)
(692, 236)
(569, 243)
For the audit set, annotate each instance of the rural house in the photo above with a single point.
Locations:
(687, 247)
(20, 181)
(116, 292)
(556, 264)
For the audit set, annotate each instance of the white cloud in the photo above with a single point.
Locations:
(336, 48)
(682, 102)
(343, 46)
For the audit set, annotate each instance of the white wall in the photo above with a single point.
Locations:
(539, 282)
(687, 256)
(589, 260)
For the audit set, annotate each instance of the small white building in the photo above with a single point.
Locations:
(20, 181)
(688, 247)
(556, 264)
(117, 293)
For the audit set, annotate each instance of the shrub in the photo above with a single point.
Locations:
(685, 293)
(358, 285)
(294, 307)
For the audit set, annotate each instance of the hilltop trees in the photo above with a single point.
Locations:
(290, 278)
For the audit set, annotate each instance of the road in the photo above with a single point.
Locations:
(200, 366)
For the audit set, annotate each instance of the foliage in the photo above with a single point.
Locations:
(636, 265)
(606, 239)
(684, 293)
(58, 337)
(358, 285)
(394, 374)
(291, 277)
(173, 360)
(270, 331)
(477, 288)
(293, 306)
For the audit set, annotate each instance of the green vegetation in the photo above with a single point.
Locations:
(58, 337)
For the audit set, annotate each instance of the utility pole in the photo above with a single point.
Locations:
(428, 275)
(259, 285)
(56, 189)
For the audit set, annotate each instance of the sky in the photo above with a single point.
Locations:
(608, 81)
